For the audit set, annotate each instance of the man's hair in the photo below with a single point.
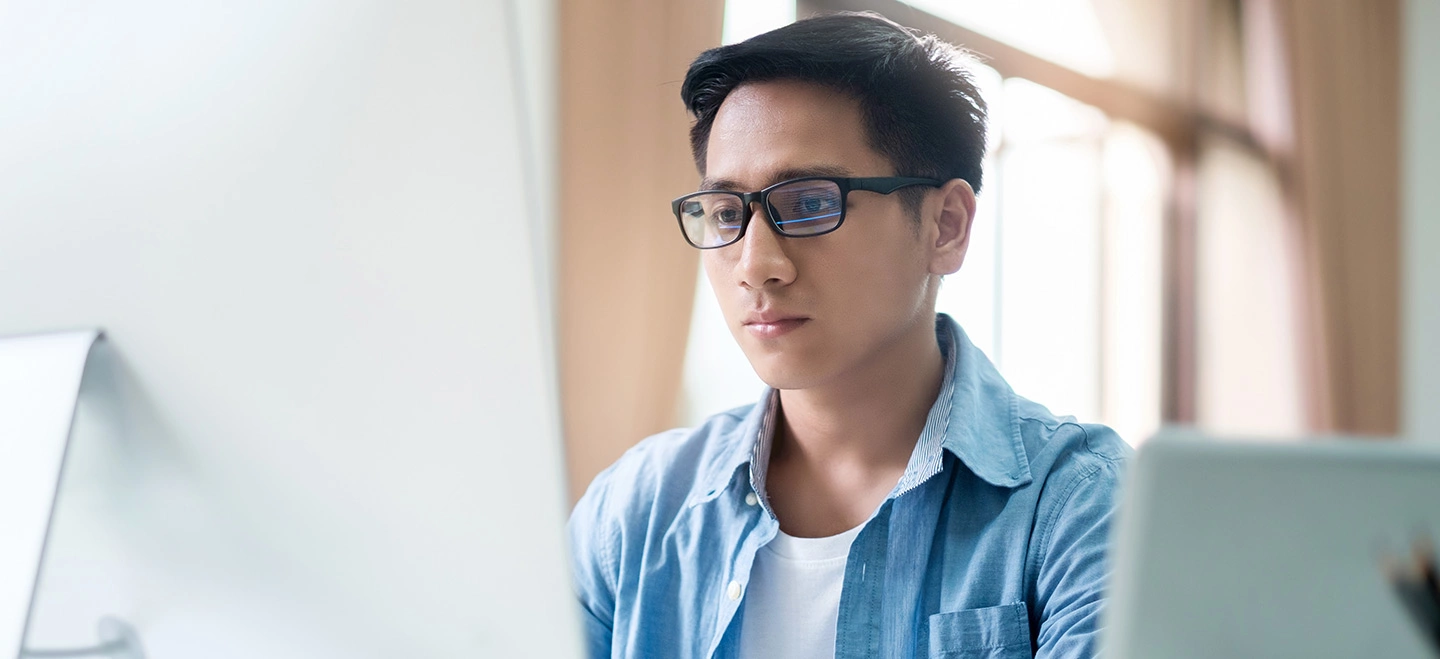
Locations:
(918, 103)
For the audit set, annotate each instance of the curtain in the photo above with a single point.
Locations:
(626, 277)
(1344, 71)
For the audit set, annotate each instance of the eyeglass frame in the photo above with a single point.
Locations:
(881, 184)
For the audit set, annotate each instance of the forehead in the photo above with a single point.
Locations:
(769, 131)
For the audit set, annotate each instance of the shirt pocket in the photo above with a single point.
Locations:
(995, 632)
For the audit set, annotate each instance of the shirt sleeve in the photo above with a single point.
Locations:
(1075, 566)
(592, 542)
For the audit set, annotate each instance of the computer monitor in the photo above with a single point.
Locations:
(323, 421)
(1264, 549)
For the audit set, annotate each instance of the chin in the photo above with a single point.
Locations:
(788, 372)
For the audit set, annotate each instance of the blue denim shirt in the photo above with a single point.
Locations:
(991, 545)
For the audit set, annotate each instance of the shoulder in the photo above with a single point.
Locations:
(1060, 446)
(1075, 465)
(654, 479)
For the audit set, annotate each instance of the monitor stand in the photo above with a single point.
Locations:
(40, 376)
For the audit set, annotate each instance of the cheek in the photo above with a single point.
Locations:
(887, 294)
(885, 274)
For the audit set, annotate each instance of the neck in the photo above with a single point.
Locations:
(872, 415)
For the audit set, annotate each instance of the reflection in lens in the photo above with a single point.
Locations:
(806, 208)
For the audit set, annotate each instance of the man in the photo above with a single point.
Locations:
(890, 496)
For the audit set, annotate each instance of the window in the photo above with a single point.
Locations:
(1062, 283)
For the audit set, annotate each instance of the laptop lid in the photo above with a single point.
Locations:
(1249, 549)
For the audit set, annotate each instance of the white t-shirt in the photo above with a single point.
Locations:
(793, 600)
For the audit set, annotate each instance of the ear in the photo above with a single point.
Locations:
(953, 217)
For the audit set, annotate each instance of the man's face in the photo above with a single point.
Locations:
(809, 311)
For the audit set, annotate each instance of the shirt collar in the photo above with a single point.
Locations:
(984, 427)
(974, 418)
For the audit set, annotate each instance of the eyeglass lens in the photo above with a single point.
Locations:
(799, 208)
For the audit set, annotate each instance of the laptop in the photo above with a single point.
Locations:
(1255, 549)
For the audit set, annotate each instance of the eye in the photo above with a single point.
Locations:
(810, 204)
(715, 210)
(814, 203)
(727, 217)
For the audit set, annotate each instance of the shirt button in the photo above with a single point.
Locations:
(734, 591)
(751, 499)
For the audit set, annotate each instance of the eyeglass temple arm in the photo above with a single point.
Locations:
(891, 184)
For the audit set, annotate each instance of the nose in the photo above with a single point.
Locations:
(763, 261)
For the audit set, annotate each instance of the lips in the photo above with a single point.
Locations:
(770, 325)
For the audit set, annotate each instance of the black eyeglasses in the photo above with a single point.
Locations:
(798, 208)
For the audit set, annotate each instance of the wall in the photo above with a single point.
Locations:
(323, 422)
(1422, 220)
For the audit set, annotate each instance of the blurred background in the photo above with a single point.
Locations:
(1210, 193)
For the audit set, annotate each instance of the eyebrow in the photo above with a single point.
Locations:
(708, 183)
